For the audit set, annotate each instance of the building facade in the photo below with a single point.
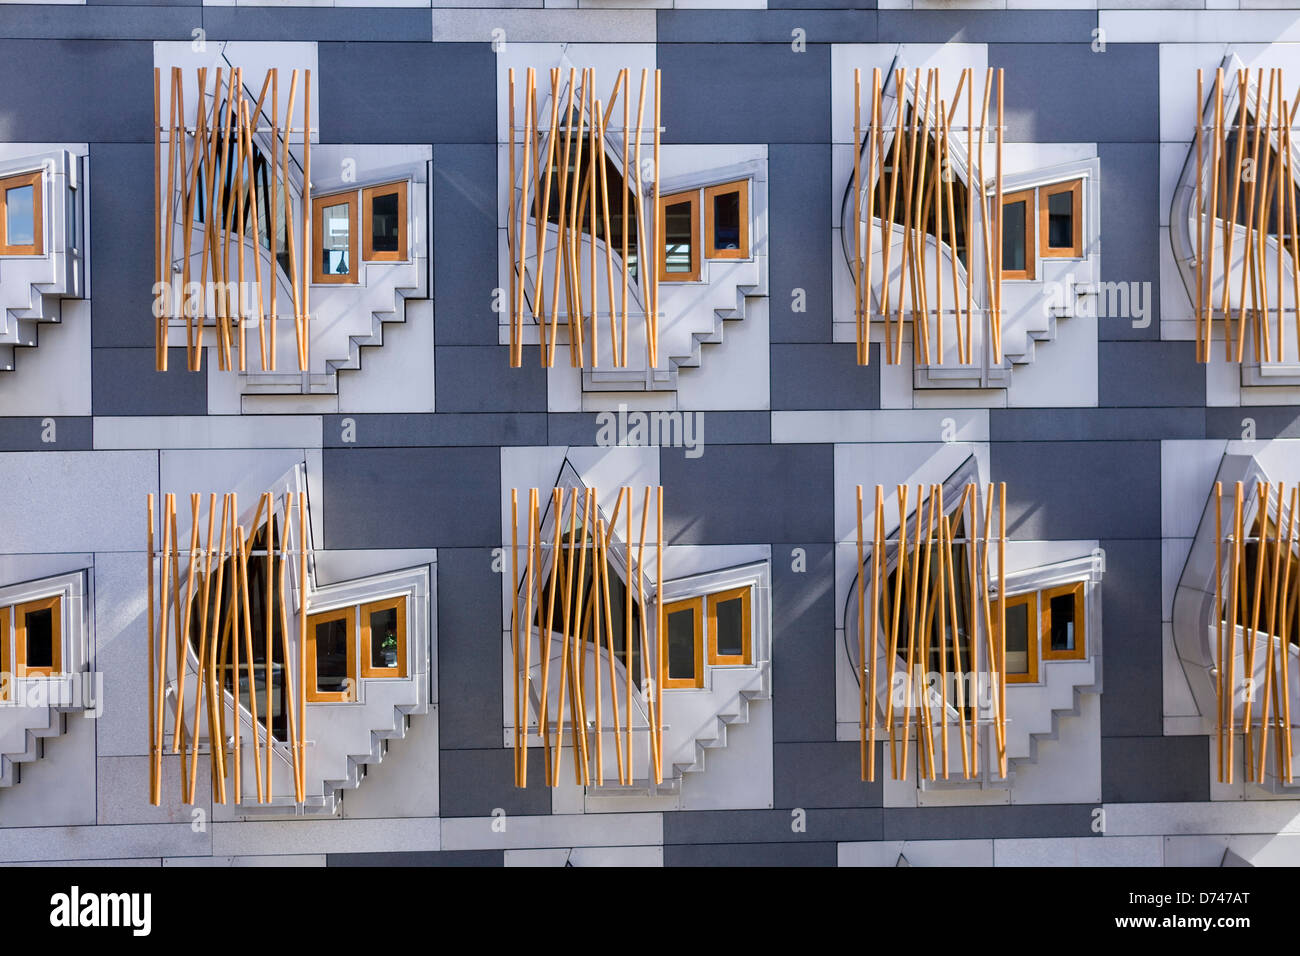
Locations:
(649, 433)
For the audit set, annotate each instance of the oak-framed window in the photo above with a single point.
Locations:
(726, 221)
(383, 638)
(683, 643)
(1018, 248)
(1060, 220)
(1063, 630)
(331, 655)
(1021, 638)
(383, 218)
(730, 640)
(22, 227)
(334, 234)
(679, 252)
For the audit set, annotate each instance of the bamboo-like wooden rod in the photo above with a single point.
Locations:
(290, 691)
(303, 538)
(514, 603)
(155, 692)
(862, 643)
(1218, 618)
(603, 542)
(1002, 547)
(661, 628)
(855, 225)
(305, 362)
(869, 672)
(1200, 256)
(521, 728)
(627, 629)
(1264, 490)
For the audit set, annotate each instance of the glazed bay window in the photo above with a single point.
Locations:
(334, 221)
(1041, 223)
(722, 621)
(383, 214)
(687, 241)
(1046, 625)
(21, 225)
(366, 640)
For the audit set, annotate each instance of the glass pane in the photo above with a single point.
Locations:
(383, 223)
(681, 644)
(1062, 610)
(20, 217)
(726, 221)
(1060, 220)
(1013, 236)
(678, 236)
(40, 638)
(1018, 639)
(383, 637)
(731, 634)
(335, 241)
(332, 656)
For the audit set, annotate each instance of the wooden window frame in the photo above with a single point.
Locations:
(318, 206)
(693, 197)
(368, 196)
(348, 614)
(368, 670)
(6, 674)
(1031, 640)
(1028, 197)
(1075, 249)
(696, 605)
(1080, 651)
(741, 188)
(37, 247)
(745, 593)
(54, 604)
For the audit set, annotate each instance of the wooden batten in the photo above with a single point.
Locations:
(188, 603)
(216, 147)
(922, 602)
(576, 608)
(546, 153)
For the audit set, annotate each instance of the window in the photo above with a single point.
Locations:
(38, 638)
(1060, 220)
(383, 638)
(679, 255)
(1021, 639)
(21, 226)
(334, 227)
(726, 221)
(330, 658)
(383, 211)
(1063, 628)
(1018, 235)
(6, 673)
(729, 632)
(684, 652)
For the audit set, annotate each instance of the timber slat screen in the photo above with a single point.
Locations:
(586, 616)
(921, 190)
(914, 612)
(1255, 593)
(214, 174)
(217, 612)
(1259, 196)
(578, 126)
